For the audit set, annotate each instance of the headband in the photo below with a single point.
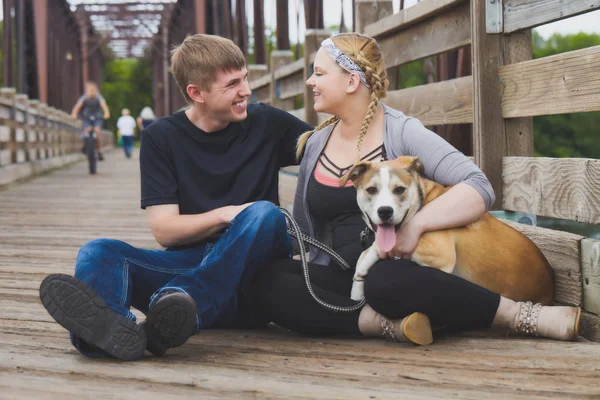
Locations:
(344, 61)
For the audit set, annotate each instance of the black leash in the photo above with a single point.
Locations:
(294, 231)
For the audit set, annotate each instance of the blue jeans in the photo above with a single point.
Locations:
(211, 273)
(127, 145)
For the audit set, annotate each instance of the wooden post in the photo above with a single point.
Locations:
(42, 129)
(33, 142)
(256, 71)
(279, 58)
(21, 132)
(40, 14)
(494, 137)
(370, 11)
(8, 95)
(312, 42)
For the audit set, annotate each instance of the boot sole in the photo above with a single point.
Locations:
(170, 323)
(79, 309)
(417, 329)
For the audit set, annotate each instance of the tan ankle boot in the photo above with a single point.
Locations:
(554, 322)
(415, 328)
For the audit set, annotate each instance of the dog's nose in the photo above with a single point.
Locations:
(385, 213)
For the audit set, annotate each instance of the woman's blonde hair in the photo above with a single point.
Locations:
(365, 52)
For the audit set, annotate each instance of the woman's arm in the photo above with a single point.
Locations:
(467, 201)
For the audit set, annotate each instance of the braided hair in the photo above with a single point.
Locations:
(365, 52)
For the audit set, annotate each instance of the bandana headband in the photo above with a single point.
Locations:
(344, 61)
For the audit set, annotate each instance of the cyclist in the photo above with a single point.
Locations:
(91, 108)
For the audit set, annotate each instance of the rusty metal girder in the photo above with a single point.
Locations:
(130, 24)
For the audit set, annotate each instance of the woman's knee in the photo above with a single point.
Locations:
(390, 276)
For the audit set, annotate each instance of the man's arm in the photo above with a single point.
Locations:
(76, 109)
(105, 110)
(173, 229)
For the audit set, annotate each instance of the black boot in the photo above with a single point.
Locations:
(79, 309)
(170, 322)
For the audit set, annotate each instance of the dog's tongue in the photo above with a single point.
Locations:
(385, 237)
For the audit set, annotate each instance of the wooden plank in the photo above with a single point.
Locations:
(261, 82)
(563, 83)
(447, 102)
(559, 188)
(441, 33)
(518, 131)
(299, 113)
(290, 69)
(562, 251)
(409, 16)
(523, 14)
(292, 85)
(489, 142)
(590, 271)
(262, 94)
(590, 326)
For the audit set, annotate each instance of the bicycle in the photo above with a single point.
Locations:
(89, 147)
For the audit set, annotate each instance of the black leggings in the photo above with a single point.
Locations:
(393, 288)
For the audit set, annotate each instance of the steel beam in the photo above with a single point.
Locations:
(40, 15)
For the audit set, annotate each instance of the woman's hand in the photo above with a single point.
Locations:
(407, 239)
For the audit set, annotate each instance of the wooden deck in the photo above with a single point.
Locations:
(45, 221)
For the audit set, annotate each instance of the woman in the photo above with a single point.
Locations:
(146, 118)
(404, 299)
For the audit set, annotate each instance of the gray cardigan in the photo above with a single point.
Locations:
(403, 136)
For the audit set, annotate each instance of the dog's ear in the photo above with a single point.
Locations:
(416, 165)
(355, 173)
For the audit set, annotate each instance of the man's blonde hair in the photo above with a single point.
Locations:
(198, 59)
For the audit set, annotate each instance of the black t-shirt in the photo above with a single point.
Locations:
(181, 164)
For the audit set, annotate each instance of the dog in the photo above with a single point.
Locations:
(486, 252)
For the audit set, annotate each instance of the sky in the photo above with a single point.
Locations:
(588, 23)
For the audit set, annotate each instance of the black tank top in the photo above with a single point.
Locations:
(338, 206)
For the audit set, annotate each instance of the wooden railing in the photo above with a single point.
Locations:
(506, 90)
(35, 138)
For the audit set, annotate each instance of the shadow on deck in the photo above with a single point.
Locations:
(45, 221)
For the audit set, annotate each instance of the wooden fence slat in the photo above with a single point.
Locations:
(561, 249)
(260, 82)
(446, 102)
(559, 188)
(590, 326)
(590, 271)
(522, 14)
(409, 16)
(441, 33)
(290, 69)
(563, 83)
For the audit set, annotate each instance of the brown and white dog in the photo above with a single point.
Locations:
(487, 252)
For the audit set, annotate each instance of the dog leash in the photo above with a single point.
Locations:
(294, 231)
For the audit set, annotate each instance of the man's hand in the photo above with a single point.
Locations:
(230, 212)
(74, 115)
(106, 115)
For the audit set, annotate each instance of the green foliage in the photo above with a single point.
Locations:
(566, 135)
(127, 84)
(411, 75)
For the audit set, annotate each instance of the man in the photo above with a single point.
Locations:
(209, 178)
(126, 125)
(91, 108)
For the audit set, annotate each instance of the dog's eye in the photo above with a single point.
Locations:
(372, 190)
(399, 190)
